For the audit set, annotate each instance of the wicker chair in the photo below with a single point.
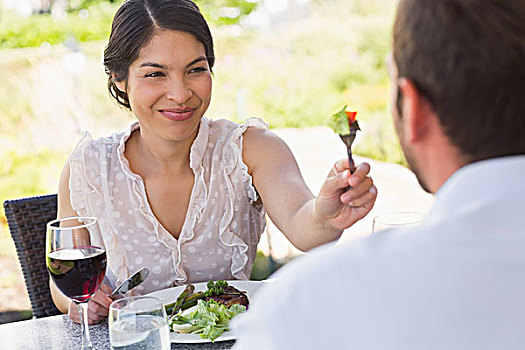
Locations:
(27, 218)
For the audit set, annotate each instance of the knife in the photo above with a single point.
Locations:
(133, 281)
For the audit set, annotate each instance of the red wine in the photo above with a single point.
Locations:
(77, 272)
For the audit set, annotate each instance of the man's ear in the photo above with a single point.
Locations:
(417, 112)
(118, 83)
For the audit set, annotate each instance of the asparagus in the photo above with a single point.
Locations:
(182, 297)
(192, 300)
(188, 302)
(188, 299)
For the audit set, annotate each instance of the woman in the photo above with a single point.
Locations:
(181, 194)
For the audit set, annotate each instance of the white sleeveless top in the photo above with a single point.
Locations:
(223, 222)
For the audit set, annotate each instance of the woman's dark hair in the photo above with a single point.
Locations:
(133, 27)
(467, 57)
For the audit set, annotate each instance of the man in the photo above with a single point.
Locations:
(457, 281)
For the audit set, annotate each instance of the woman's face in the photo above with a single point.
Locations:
(169, 85)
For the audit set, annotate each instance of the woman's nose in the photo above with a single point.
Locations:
(178, 90)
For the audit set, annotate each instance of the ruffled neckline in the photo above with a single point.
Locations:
(197, 201)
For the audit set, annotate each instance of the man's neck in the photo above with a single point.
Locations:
(438, 161)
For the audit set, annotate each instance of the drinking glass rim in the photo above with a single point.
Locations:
(135, 297)
(78, 218)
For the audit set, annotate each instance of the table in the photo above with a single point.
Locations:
(59, 332)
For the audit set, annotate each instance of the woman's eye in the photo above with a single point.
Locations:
(198, 70)
(154, 74)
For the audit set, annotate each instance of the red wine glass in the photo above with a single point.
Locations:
(76, 261)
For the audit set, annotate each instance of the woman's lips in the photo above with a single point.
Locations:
(178, 114)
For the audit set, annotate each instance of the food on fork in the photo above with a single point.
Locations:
(345, 124)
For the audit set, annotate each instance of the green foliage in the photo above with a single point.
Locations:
(226, 12)
(88, 20)
(28, 174)
(264, 266)
(74, 5)
(94, 23)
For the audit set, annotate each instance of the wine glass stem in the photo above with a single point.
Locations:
(86, 338)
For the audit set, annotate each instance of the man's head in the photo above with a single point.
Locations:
(466, 59)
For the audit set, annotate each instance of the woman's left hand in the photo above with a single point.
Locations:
(98, 306)
(340, 206)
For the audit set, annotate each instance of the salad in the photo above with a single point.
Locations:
(207, 313)
(345, 124)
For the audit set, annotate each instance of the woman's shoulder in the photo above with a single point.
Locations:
(218, 124)
(253, 133)
(108, 144)
(233, 129)
(256, 133)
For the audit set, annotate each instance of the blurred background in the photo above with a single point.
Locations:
(291, 62)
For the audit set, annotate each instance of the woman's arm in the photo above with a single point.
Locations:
(305, 220)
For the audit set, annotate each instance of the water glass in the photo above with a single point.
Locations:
(138, 323)
(396, 219)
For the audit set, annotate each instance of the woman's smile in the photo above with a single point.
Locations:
(178, 114)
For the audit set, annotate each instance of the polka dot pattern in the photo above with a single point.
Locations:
(222, 227)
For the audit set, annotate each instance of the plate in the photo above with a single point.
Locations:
(169, 295)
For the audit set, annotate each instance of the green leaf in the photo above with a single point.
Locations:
(339, 122)
(209, 319)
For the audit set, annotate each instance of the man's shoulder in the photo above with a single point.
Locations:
(349, 292)
(458, 245)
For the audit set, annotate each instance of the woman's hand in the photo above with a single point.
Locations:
(340, 206)
(98, 306)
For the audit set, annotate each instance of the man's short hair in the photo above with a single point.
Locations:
(467, 57)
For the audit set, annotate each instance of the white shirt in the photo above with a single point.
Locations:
(223, 222)
(455, 282)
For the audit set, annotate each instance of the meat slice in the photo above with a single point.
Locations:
(231, 296)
